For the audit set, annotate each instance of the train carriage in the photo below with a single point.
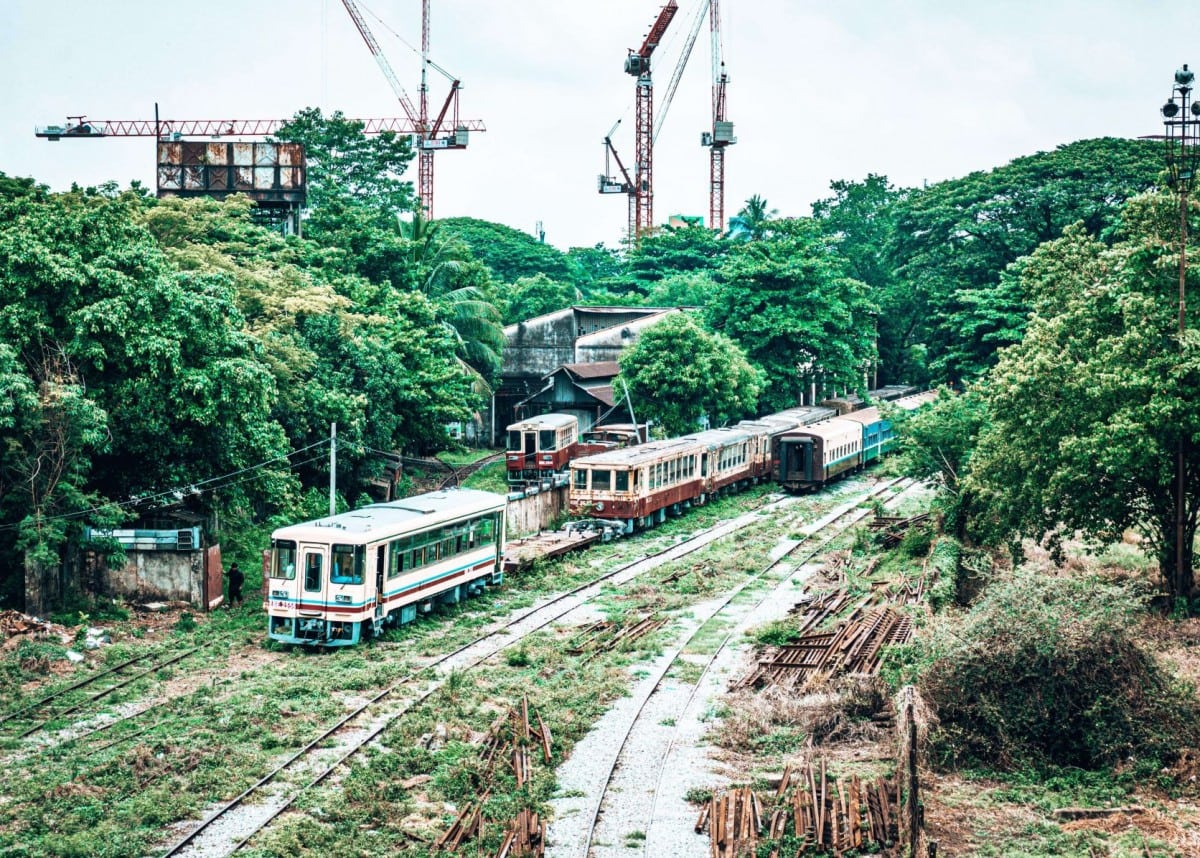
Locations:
(813, 455)
(540, 446)
(336, 580)
(636, 485)
(877, 434)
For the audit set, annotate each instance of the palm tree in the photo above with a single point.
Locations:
(455, 285)
(751, 221)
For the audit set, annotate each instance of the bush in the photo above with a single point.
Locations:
(1044, 671)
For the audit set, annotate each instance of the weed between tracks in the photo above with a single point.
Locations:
(230, 712)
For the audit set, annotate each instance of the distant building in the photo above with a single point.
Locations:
(584, 343)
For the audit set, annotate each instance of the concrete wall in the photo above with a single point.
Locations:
(158, 576)
(531, 514)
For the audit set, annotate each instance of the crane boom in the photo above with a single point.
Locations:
(429, 137)
(81, 128)
(679, 67)
(386, 67)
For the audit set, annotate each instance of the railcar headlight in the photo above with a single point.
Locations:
(344, 600)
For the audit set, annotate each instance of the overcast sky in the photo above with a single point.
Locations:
(919, 91)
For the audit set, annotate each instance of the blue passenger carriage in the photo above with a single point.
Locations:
(338, 579)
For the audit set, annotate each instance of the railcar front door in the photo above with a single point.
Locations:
(314, 593)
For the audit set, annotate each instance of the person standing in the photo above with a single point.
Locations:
(236, 578)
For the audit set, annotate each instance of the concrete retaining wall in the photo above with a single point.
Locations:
(536, 512)
(158, 575)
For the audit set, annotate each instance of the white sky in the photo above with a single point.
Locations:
(921, 90)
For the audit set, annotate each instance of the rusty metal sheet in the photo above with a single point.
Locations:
(193, 177)
(170, 153)
(193, 152)
(265, 154)
(218, 178)
(290, 154)
(170, 178)
(264, 178)
(243, 178)
(243, 154)
(291, 177)
(216, 153)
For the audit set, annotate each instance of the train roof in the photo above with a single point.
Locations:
(381, 520)
(910, 403)
(864, 416)
(834, 429)
(637, 455)
(806, 414)
(710, 438)
(544, 421)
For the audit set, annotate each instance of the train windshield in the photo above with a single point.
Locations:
(546, 439)
(347, 564)
(514, 441)
(283, 559)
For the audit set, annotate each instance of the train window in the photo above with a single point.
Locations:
(546, 440)
(622, 481)
(486, 528)
(418, 557)
(395, 559)
(601, 480)
(312, 572)
(347, 565)
(447, 549)
(514, 441)
(283, 559)
(580, 478)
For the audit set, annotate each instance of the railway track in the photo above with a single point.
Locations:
(629, 745)
(457, 475)
(225, 831)
(34, 717)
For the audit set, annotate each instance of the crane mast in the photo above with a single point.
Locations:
(721, 134)
(640, 186)
(427, 136)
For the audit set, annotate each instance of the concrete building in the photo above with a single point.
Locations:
(571, 340)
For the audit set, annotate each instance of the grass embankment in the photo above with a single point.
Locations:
(228, 714)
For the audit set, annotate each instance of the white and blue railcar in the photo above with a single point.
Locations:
(339, 579)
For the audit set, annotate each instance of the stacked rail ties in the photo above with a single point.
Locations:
(823, 814)
(509, 739)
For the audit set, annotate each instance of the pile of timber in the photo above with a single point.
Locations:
(853, 647)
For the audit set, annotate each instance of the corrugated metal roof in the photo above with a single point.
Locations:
(600, 369)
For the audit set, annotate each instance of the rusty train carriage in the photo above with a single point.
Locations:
(541, 446)
(339, 579)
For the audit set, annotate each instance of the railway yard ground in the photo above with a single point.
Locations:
(722, 685)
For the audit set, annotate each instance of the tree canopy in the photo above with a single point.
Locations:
(715, 379)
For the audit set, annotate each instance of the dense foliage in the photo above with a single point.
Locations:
(1046, 671)
(673, 392)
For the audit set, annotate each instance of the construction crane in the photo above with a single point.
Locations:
(640, 186)
(82, 128)
(428, 136)
(721, 134)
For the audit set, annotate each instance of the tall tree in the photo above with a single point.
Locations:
(954, 240)
(715, 379)
(751, 220)
(1089, 408)
(786, 300)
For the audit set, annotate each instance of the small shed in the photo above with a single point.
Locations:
(163, 563)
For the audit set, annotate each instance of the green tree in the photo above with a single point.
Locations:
(953, 241)
(509, 253)
(350, 168)
(593, 269)
(715, 379)
(1088, 410)
(786, 300)
(751, 220)
(536, 295)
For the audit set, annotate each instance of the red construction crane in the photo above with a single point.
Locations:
(640, 187)
(721, 134)
(428, 136)
(82, 128)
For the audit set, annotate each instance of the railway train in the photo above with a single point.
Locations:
(339, 579)
(801, 448)
(542, 447)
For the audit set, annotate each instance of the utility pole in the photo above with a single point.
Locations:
(333, 468)
(1181, 120)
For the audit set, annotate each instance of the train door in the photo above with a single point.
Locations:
(530, 442)
(379, 567)
(314, 580)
